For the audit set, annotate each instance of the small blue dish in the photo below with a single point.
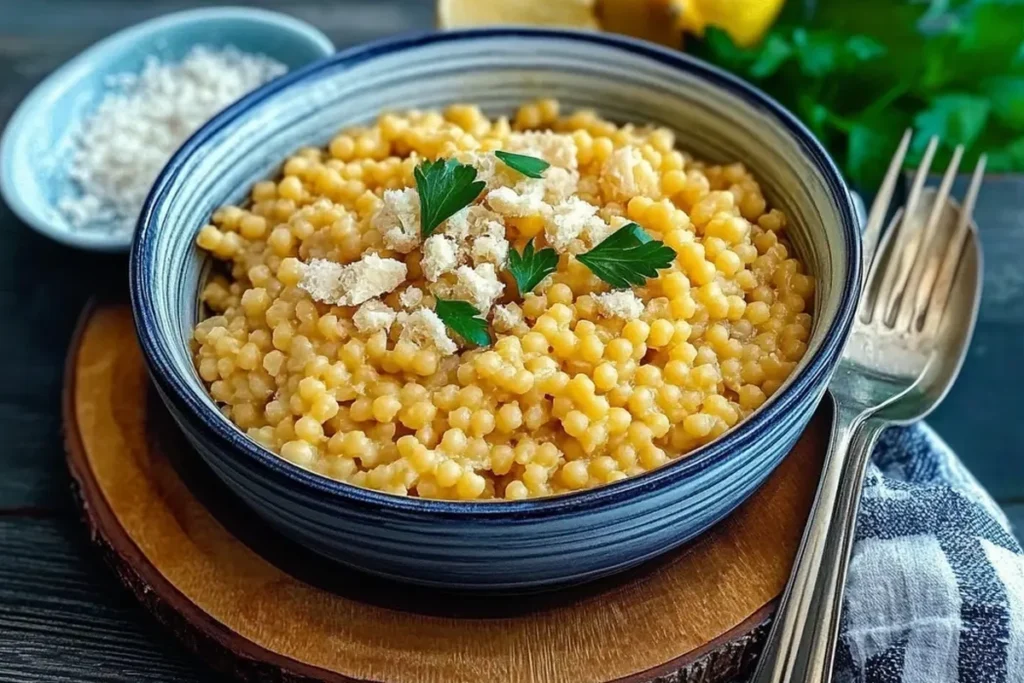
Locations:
(497, 545)
(33, 175)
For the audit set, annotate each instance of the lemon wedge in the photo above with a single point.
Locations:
(745, 20)
(659, 21)
(564, 13)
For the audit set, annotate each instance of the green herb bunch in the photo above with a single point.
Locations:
(860, 72)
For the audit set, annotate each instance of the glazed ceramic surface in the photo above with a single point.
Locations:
(35, 150)
(499, 545)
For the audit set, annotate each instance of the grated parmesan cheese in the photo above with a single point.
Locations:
(620, 304)
(353, 283)
(626, 174)
(525, 199)
(507, 317)
(489, 169)
(490, 249)
(398, 220)
(560, 184)
(423, 328)
(596, 231)
(374, 316)
(558, 149)
(567, 222)
(440, 256)
(118, 151)
(411, 297)
(457, 225)
(480, 286)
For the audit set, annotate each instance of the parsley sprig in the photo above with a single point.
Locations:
(445, 186)
(952, 69)
(530, 267)
(531, 167)
(464, 320)
(627, 257)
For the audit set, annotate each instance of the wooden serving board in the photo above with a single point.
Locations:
(261, 608)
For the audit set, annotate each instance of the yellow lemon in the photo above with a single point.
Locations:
(745, 20)
(659, 21)
(466, 13)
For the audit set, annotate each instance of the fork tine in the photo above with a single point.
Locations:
(882, 260)
(947, 273)
(921, 276)
(905, 247)
(880, 207)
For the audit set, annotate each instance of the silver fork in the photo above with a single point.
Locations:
(896, 333)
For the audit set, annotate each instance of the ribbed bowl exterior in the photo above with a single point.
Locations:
(494, 545)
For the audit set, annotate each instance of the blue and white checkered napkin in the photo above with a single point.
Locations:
(936, 585)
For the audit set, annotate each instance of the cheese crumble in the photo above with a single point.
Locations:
(374, 316)
(354, 283)
(507, 317)
(398, 220)
(440, 256)
(423, 328)
(621, 304)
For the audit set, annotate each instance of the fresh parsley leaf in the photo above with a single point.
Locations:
(1007, 96)
(1008, 159)
(861, 48)
(445, 186)
(530, 267)
(464, 320)
(952, 67)
(957, 118)
(817, 52)
(716, 46)
(870, 144)
(775, 51)
(627, 257)
(531, 167)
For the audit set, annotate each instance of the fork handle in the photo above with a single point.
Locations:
(827, 605)
(801, 644)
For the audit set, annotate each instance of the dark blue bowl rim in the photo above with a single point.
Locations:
(807, 385)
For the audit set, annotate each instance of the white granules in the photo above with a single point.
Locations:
(507, 316)
(353, 283)
(374, 316)
(619, 304)
(120, 149)
(422, 327)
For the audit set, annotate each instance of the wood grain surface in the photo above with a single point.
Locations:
(696, 608)
(62, 615)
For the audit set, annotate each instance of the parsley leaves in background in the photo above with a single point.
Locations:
(859, 73)
(445, 186)
(530, 267)
(463, 320)
(531, 167)
(627, 257)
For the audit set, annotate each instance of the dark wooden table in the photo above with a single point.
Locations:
(63, 617)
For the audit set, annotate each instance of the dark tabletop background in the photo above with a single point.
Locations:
(63, 617)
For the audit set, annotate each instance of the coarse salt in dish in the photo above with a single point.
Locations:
(117, 152)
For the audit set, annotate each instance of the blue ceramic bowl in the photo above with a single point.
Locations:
(33, 172)
(494, 545)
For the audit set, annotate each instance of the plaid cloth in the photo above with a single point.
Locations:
(935, 592)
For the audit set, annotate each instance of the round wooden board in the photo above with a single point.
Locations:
(260, 608)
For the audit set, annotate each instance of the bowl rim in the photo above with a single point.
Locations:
(807, 384)
(39, 100)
